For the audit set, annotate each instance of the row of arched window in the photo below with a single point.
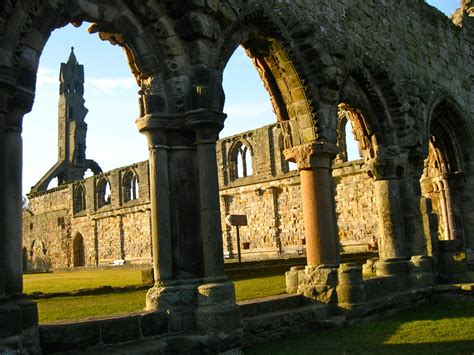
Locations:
(103, 195)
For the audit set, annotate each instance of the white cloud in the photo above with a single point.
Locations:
(47, 77)
(107, 85)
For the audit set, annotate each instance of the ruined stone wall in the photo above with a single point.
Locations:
(355, 205)
(270, 198)
(120, 230)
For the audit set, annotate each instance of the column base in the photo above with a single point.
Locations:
(421, 271)
(178, 299)
(10, 320)
(351, 286)
(292, 278)
(19, 326)
(398, 269)
(318, 283)
(217, 310)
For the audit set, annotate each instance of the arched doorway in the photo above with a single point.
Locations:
(444, 172)
(79, 258)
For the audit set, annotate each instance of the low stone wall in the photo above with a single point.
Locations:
(97, 333)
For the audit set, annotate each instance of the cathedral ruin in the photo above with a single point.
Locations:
(105, 219)
(402, 74)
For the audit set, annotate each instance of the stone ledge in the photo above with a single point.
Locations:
(91, 333)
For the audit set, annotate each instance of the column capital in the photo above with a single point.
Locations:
(312, 155)
(157, 122)
(206, 123)
(385, 168)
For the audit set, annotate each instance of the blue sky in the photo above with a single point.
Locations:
(111, 97)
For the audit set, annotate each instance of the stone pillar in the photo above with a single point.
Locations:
(391, 234)
(455, 232)
(314, 164)
(177, 298)
(207, 124)
(10, 314)
(351, 289)
(159, 198)
(13, 212)
(319, 279)
(444, 209)
(217, 310)
(17, 314)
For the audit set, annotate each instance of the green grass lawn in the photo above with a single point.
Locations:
(80, 307)
(71, 281)
(431, 329)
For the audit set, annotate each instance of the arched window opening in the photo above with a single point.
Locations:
(353, 187)
(104, 196)
(24, 259)
(442, 179)
(240, 161)
(88, 173)
(53, 183)
(351, 133)
(79, 199)
(130, 187)
(286, 166)
(79, 258)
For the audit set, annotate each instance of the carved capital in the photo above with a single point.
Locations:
(206, 123)
(385, 169)
(312, 155)
(160, 129)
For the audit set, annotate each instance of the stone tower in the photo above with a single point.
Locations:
(72, 129)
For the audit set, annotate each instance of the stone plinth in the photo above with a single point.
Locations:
(397, 268)
(217, 310)
(318, 283)
(178, 299)
(421, 271)
(351, 287)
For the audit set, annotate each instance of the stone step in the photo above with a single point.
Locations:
(272, 325)
(270, 304)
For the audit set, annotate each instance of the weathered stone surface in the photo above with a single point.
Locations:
(408, 77)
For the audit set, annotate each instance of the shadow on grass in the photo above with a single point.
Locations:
(431, 329)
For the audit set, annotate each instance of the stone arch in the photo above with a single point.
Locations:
(103, 192)
(446, 172)
(78, 251)
(25, 258)
(153, 63)
(79, 198)
(283, 72)
(243, 150)
(130, 186)
(374, 126)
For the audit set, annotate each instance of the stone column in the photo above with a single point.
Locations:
(451, 210)
(159, 198)
(217, 310)
(314, 164)
(177, 259)
(319, 279)
(21, 314)
(207, 124)
(391, 234)
(444, 210)
(13, 200)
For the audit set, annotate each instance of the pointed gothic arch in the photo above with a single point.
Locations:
(445, 170)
